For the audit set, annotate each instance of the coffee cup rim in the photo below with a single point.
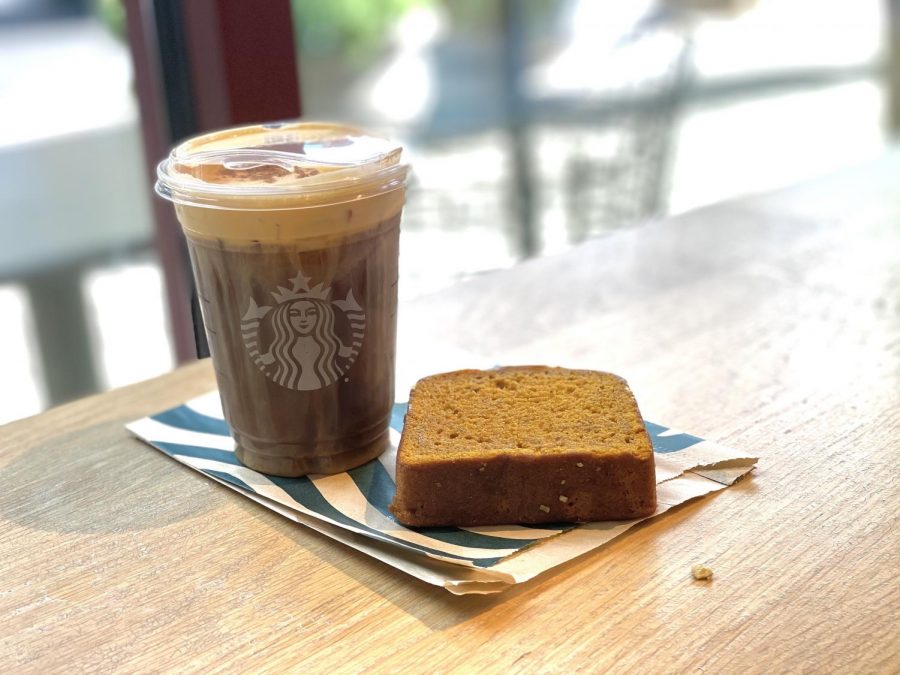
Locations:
(346, 162)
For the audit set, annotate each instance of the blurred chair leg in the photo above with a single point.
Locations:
(893, 67)
(670, 108)
(61, 328)
(518, 128)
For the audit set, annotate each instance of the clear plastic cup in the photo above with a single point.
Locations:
(293, 230)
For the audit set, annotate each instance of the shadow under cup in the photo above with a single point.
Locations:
(299, 298)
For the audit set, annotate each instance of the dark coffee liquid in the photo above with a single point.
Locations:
(302, 338)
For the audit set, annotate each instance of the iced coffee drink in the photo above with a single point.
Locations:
(293, 233)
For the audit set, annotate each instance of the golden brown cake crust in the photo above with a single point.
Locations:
(525, 444)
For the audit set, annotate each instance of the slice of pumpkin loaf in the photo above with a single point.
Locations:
(526, 444)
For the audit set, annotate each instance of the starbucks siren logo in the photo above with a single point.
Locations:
(295, 343)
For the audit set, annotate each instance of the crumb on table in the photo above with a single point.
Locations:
(699, 571)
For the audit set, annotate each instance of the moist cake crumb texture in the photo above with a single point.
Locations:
(540, 411)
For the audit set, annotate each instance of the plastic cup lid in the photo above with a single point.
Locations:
(307, 160)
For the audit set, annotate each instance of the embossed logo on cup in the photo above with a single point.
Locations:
(305, 341)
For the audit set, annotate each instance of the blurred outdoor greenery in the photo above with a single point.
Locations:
(112, 13)
(354, 28)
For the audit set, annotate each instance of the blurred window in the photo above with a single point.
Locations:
(531, 125)
(74, 204)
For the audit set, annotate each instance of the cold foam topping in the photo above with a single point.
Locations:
(306, 160)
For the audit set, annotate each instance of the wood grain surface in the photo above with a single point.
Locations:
(770, 324)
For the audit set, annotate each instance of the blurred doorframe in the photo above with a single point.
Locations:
(201, 65)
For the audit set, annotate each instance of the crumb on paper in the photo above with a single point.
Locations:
(545, 509)
(563, 499)
(701, 572)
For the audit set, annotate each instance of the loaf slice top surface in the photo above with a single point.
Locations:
(521, 411)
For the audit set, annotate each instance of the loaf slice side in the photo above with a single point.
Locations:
(525, 444)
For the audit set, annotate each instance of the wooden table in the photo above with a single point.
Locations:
(771, 324)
